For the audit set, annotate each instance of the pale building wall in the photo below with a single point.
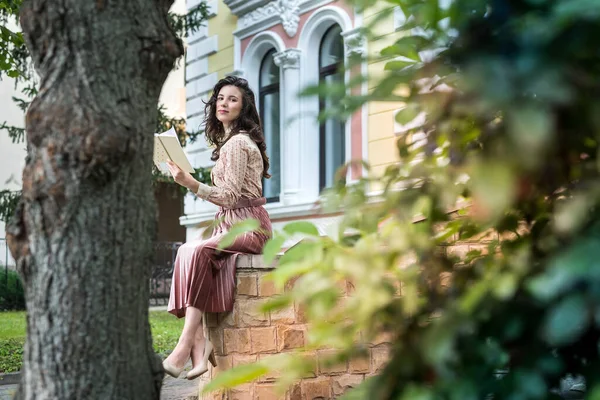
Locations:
(382, 135)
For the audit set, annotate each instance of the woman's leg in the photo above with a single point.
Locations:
(198, 347)
(181, 352)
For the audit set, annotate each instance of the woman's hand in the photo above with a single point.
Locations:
(181, 177)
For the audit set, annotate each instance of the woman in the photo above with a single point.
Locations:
(203, 277)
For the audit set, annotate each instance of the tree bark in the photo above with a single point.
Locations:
(83, 233)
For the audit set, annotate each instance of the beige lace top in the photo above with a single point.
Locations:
(236, 174)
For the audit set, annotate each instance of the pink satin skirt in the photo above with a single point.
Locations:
(204, 277)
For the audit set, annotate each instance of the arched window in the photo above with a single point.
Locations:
(332, 131)
(269, 114)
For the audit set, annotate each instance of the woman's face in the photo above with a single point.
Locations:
(229, 104)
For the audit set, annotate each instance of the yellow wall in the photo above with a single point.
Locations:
(223, 25)
(380, 124)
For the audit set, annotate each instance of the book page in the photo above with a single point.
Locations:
(171, 149)
(160, 156)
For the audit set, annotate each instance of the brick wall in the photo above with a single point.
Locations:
(244, 335)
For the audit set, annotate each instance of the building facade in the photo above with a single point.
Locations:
(282, 47)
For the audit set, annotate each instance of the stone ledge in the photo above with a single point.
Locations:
(252, 262)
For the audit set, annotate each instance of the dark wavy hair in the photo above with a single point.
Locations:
(247, 121)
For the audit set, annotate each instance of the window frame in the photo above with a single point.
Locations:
(324, 72)
(264, 91)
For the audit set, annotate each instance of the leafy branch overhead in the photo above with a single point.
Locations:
(15, 64)
(477, 260)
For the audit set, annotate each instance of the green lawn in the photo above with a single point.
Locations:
(165, 332)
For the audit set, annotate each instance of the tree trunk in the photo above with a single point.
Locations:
(82, 235)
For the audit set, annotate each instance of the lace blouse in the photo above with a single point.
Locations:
(236, 174)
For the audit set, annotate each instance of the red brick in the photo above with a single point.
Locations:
(458, 250)
(242, 359)
(380, 357)
(242, 392)
(249, 315)
(267, 391)
(216, 395)
(481, 247)
(360, 364)
(311, 359)
(289, 337)
(236, 341)
(382, 338)
(300, 314)
(284, 316)
(341, 384)
(247, 285)
(223, 364)
(327, 365)
(271, 375)
(229, 319)
(266, 288)
(318, 388)
(264, 340)
(294, 392)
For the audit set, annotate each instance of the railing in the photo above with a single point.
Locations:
(160, 279)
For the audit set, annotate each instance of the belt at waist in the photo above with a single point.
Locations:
(244, 203)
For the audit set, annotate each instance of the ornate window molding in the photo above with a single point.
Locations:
(310, 39)
(255, 52)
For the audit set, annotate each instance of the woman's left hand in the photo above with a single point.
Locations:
(181, 177)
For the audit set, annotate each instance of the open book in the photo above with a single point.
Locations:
(167, 147)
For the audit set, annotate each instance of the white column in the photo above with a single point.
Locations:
(289, 63)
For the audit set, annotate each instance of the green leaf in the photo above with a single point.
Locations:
(236, 376)
(407, 114)
(236, 231)
(303, 227)
(276, 303)
(283, 273)
(272, 248)
(398, 64)
(566, 321)
(301, 251)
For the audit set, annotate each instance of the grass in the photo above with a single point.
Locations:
(165, 333)
(12, 338)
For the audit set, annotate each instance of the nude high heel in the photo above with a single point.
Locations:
(171, 369)
(209, 355)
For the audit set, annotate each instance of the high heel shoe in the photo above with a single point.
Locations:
(171, 369)
(209, 355)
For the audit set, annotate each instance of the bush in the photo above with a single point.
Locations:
(12, 295)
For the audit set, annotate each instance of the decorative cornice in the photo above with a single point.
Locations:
(241, 7)
(355, 42)
(289, 58)
(261, 15)
(287, 11)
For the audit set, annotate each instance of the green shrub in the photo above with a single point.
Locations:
(12, 296)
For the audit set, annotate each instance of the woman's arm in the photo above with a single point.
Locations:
(234, 155)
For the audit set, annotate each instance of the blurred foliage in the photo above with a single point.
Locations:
(14, 63)
(13, 53)
(501, 123)
(12, 293)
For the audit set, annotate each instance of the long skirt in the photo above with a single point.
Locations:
(203, 276)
